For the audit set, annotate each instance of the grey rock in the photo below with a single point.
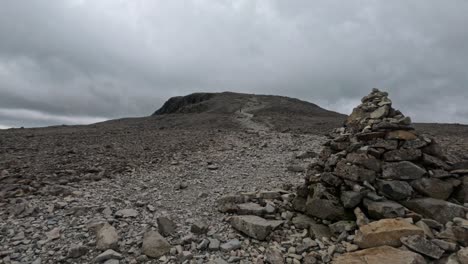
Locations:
(77, 251)
(106, 255)
(354, 173)
(319, 231)
(395, 190)
(166, 226)
(199, 228)
(463, 255)
(155, 245)
(439, 210)
(431, 161)
(250, 209)
(365, 160)
(331, 179)
(112, 261)
(274, 256)
(213, 244)
(403, 170)
(384, 209)
(433, 187)
(402, 155)
(324, 209)
(254, 226)
(107, 237)
(232, 244)
(125, 213)
(445, 245)
(302, 221)
(421, 245)
(351, 199)
(343, 226)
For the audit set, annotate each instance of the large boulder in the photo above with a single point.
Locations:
(439, 210)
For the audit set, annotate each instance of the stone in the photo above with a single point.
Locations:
(385, 144)
(77, 251)
(107, 237)
(385, 232)
(213, 244)
(368, 136)
(302, 221)
(380, 255)
(402, 155)
(331, 179)
(351, 199)
(433, 187)
(324, 209)
(250, 209)
(354, 173)
(155, 245)
(427, 230)
(199, 228)
(254, 226)
(269, 195)
(445, 245)
(463, 255)
(461, 194)
(423, 246)
(343, 226)
(232, 244)
(319, 231)
(274, 256)
(384, 209)
(166, 226)
(439, 210)
(365, 160)
(380, 112)
(296, 168)
(401, 135)
(403, 170)
(125, 213)
(433, 162)
(107, 255)
(361, 218)
(395, 190)
(53, 234)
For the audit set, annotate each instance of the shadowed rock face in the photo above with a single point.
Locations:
(184, 103)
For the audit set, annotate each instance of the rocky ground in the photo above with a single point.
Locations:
(95, 194)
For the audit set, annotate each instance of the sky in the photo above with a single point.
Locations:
(84, 61)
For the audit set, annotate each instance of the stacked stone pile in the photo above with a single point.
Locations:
(378, 171)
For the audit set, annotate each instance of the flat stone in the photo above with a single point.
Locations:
(166, 226)
(250, 209)
(232, 244)
(384, 209)
(324, 209)
(107, 255)
(319, 231)
(155, 245)
(302, 221)
(402, 155)
(353, 172)
(274, 256)
(254, 226)
(367, 136)
(385, 232)
(380, 112)
(380, 255)
(395, 190)
(401, 135)
(351, 199)
(199, 228)
(343, 226)
(77, 251)
(421, 245)
(433, 162)
(439, 210)
(365, 160)
(433, 187)
(126, 213)
(385, 144)
(213, 244)
(403, 170)
(107, 237)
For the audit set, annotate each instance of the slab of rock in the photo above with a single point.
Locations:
(351, 199)
(126, 213)
(365, 160)
(402, 155)
(401, 135)
(107, 237)
(319, 231)
(384, 209)
(155, 245)
(343, 226)
(302, 221)
(403, 170)
(199, 228)
(433, 187)
(107, 255)
(274, 256)
(439, 210)
(77, 251)
(395, 190)
(232, 244)
(463, 255)
(250, 209)
(385, 232)
(380, 255)
(421, 245)
(166, 226)
(254, 226)
(324, 209)
(353, 172)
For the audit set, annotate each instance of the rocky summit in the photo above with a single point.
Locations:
(236, 178)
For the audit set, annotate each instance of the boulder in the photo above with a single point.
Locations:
(423, 246)
(352, 172)
(384, 209)
(250, 209)
(166, 226)
(302, 221)
(324, 209)
(385, 232)
(365, 160)
(254, 226)
(380, 255)
(403, 170)
(351, 199)
(439, 210)
(107, 237)
(395, 190)
(155, 245)
(433, 187)
(402, 155)
(319, 231)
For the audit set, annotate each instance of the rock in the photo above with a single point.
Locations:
(77, 251)
(384, 209)
(125, 213)
(213, 244)
(431, 161)
(155, 245)
(354, 173)
(439, 210)
(380, 112)
(395, 190)
(53, 234)
(319, 231)
(107, 237)
(324, 209)
(403, 170)
(402, 155)
(199, 228)
(232, 244)
(380, 255)
(365, 160)
(212, 167)
(254, 226)
(434, 188)
(445, 245)
(351, 199)
(270, 195)
(274, 256)
(461, 194)
(302, 221)
(296, 168)
(427, 230)
(401, 135)
(343, 226)
(250, 209)
(385, 232)
(108, 255)
(463, 255)
(166, 226)
(306, 155)
(361, 218)
(421, 245)
(310, 259)
(331, 179)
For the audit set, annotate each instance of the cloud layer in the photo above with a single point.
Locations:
(80, 61)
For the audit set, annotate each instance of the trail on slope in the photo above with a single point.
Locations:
(245, 117)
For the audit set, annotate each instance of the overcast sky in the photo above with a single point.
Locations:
(83, 61)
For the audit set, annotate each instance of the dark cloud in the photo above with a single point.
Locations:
(77, 61)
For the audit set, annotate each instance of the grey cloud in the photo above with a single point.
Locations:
(80, 59)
